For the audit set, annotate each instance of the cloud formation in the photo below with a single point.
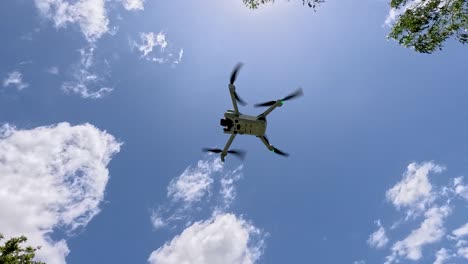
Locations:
(198, 186)
(52, 178)
(15, 79)
(224, 238)
(378, 239)
(90, 15)
(414, 191)
(430, 231)
(53, 70)
(154, 47)
(434, 204)
(133, 4)
(194, 183)
(442, 256)
(86, 80)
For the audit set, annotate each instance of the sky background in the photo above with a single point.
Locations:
(105, 107)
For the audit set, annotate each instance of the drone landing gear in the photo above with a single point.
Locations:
(271, 147)
(267, 144)
(226, 148)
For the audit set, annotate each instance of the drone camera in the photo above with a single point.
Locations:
(226, 123)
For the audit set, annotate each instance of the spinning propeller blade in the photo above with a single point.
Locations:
(293, 95)
(239, 100)
(270, 103)
(236, 152)
(212, 150)
(279, 152)
(233, 79)
(234, 72)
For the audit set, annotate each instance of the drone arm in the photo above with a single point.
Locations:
(270, 147)
(226, 148)
(232, 90)
(271, 108)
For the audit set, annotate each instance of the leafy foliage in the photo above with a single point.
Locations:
(254, 4)
(426, 24)
(423, 25)
(12, 252)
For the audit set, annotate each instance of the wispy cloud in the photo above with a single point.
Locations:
(430, 231)
(463, 252)
(201, 185)
(179, 58)
(150, 40)
(52, 178)
(378, 239)
(154, 47)
(224, 238)
(87, 79)
(15, 79)
(194, 183)
(442, 256)
(133, 4)
(53, 70)
(459, 188)
(90, 15)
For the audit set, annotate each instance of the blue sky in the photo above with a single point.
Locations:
(105, 106)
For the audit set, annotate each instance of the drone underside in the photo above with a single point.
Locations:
(236, 123)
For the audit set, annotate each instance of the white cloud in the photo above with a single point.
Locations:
(414, 191)
(165, 53)
(461, 231)
(430, 231)
(194, 183)
(52, 178)
(223, 239)
(463, 252)
(179, 59)
(86, 81)
(205, 184)
(157, 221)
(378, 239)
(228, 189)
(441, 256)
(359, 262)
(149, 41)
(459, 188)
(15, 78)
(90, 15)
(133, 4)
(53, 70)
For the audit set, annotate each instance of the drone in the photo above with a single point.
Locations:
(235, 123)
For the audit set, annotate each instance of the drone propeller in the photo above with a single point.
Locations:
(269, 103)
(293, 95)
(238, 153)
(233, 79)
(234, 72)
(279, 152)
